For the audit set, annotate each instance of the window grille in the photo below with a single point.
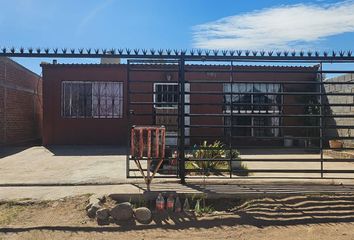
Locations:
(166, 95)
(253, 99)
(84, 99)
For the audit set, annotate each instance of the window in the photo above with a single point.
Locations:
(252, 99)
(166, 95)
(92, 99)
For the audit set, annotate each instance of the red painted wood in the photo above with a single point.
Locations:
(141, 143)
(149, 143)
(132, 145)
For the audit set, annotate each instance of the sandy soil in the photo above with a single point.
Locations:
(298, 217)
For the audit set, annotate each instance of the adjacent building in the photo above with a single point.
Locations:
(20, 104)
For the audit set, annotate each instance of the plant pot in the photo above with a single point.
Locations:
(335, 144)
(288, 141)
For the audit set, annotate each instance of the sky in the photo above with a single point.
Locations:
(182, 24)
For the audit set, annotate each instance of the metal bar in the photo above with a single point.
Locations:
(271, 82)
(280, 171)
(270, 115)
(181, 55)
(195, 81)
(294, 160)
(182, 115)
(130, 137)
(268, 177)
(247, 126)
(321, 121)
(231, 121)
(247, 93)
(249, 104)
(272, 70)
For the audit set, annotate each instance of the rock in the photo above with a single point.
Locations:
(122, 211)
(91, 212)
(94, 199)
(102, 198)
(88, 206)
(95, 202)
(143, 215)
(102, 214)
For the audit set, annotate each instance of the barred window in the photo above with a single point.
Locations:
(92, 99)
(252, 99)
(166, 95)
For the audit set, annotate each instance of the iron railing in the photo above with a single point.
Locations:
(196, 121)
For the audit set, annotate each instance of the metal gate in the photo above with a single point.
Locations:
(242, 119)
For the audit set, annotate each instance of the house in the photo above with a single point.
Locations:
(20, 104)
(90, 103)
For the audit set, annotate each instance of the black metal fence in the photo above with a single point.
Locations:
(280, 127)
(233, 127)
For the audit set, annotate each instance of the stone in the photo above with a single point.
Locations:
(102, 214)
(91, 212)
(102, 198)
(88, 206)
(122, 211)
(143, 215)
(94, 199)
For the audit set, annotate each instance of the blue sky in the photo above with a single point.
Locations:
(237, 24)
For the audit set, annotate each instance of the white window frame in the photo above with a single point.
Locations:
(253, 112)
(175, 106)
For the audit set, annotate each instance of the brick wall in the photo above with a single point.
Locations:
(340, 88)
(20, 104)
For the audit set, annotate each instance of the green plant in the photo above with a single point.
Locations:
(200, 205)
(213, 152)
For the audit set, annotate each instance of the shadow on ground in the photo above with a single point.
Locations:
(8, 151)
(87, 150)
(278, 212)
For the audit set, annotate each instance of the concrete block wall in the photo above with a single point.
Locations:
(20, 104)
(340, 88)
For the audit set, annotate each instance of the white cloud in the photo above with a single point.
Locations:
(282, 27)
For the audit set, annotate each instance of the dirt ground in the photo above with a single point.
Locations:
(297, 217)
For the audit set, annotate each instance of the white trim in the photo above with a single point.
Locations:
(154, 95)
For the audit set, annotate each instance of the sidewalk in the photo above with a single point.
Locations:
(125, 192)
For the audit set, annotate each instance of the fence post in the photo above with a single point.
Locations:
(321, 117)
(127, 112)
(181, 142)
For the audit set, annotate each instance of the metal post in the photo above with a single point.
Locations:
(231, 118)
(181, 146)
(321, 119)
(129, 120)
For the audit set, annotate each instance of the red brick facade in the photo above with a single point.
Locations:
(20, 104)
(62, 130)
